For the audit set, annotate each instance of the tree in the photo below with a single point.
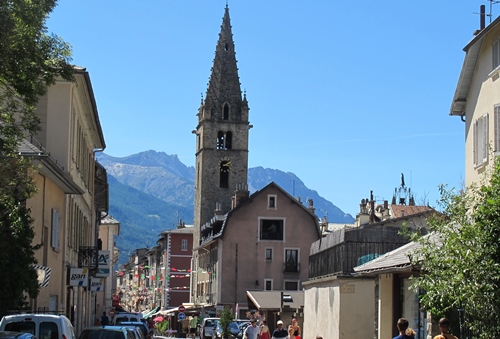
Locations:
(226, 317)
(460, 260)
(30, 61)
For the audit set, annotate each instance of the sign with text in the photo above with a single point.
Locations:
(97, 284)
(79, 277)
(103, 264)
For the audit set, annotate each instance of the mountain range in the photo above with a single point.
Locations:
(151, 192)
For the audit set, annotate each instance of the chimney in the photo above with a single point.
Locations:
(218, 208)
(240, 195)
(311, 205)
(482, 17)
(181, 224)
(372, 206)
(386, 204)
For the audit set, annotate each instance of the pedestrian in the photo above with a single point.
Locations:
(410, 332)
(264, 330)
(296, 328)
(104, 319)
(280, 332)
(444, 328)
(192, 326)
(402, 326)
(252, 331)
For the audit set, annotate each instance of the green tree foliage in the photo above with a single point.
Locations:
(460, 260)
(30, 61)
(226, 316)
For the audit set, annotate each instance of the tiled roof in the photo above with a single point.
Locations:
(405, 211)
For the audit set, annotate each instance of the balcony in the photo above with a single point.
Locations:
(291, 268)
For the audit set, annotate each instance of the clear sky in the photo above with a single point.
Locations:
(345, 94)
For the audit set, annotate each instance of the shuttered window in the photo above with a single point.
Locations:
(55, 230)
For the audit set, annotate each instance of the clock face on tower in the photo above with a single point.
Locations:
(225, 164)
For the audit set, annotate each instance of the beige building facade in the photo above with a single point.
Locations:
(477, 100)
(67, 207)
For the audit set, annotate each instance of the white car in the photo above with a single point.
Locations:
(43, 326)
(208, 327)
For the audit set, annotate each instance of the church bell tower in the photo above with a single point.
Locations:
(221, 135)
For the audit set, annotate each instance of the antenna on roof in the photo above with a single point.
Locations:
(492, 2)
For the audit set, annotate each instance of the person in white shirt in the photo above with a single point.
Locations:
(252, 331)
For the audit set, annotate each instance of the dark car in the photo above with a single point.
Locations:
(140, 325)
(107, 332)
(16, 335)
(243, 327)
(234, 329)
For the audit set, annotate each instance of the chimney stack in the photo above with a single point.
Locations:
(240, 195)
(311, 205)
(482, 17)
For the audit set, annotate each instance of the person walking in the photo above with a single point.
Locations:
(104, 319)
(192, 326)
(280, 332)
(296, 328)
(444, 328)
(402, 326)
(264, 330)
(252, 331)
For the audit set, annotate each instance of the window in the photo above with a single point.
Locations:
(184, 245)
(268, 284)
(291, 285)
(271, 202)
(229, 140)
(496, 53)
(480, 140)
(271, 229)
(291, 260)
(55, 230)
(220, 140)
(225, 166)
(224, 140)
(497, 128)
(269, 254)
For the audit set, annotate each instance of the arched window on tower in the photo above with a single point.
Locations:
(220, 140)
(226, 112)
(225, 166)
(229, 140)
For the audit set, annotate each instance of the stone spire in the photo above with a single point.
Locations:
(224, 84)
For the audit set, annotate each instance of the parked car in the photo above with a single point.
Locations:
(208, 327)
(143, 327)
(137, 332)
(16, 335)
(128, 316)
(234, 329)
(107, 332)
(243, 326)
(42, 326)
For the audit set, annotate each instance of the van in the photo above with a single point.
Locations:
(128, 317)
(43, 326)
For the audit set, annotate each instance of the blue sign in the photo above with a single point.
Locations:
(181, 316)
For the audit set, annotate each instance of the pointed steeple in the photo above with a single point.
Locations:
(224, 84)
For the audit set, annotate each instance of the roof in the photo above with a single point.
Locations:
(270, 300)
(400, 211)
(472, 50)
(396, 260)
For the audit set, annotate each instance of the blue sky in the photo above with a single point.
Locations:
(345, 94)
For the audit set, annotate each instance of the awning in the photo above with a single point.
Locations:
(271, 300)
(148, 314)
